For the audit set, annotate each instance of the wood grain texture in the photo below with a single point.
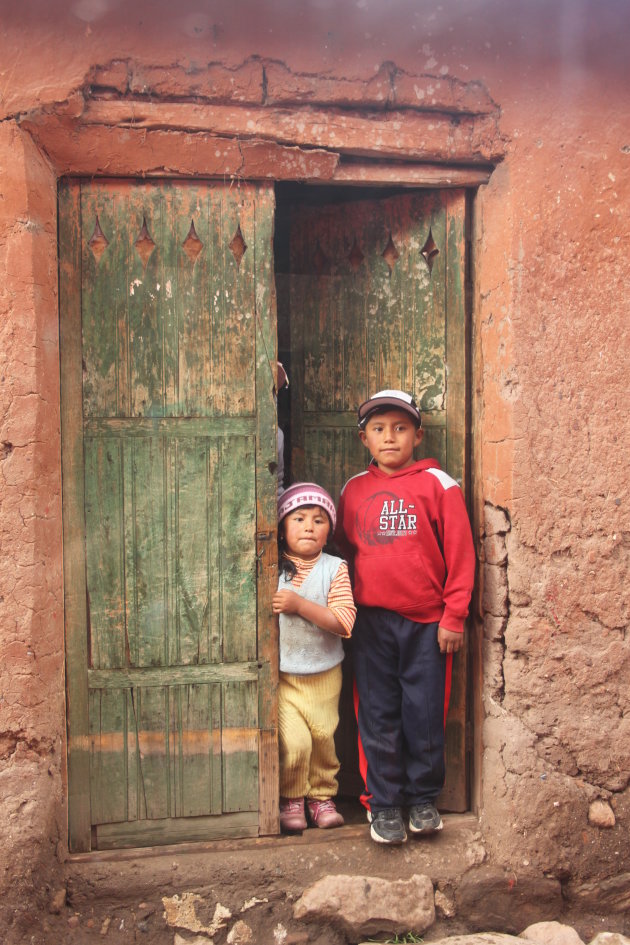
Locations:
(170, 413)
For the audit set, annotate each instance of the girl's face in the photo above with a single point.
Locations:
(306, 531)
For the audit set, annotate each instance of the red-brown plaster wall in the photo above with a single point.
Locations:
(31, 601)
(551, 345)
(502, 42)
(552, 276)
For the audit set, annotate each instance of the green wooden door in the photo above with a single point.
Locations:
(168, 451)
(377, 301)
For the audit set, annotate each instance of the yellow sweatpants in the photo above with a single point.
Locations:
(308, 715)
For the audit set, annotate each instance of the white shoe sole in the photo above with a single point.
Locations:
(421, 830)
(375, 836)
(391, 843)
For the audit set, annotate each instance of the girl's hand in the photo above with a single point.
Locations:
(286, 602)
(449, 641)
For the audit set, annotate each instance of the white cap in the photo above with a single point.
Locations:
(396, 399)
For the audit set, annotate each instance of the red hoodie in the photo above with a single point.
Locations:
(409, 538)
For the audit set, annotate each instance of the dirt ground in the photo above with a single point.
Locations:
(208, 890)
(117, 897)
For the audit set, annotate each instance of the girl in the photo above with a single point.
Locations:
(314, 601)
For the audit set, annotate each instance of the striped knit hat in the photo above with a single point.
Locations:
(305, 493)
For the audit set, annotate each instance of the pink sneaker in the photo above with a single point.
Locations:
(292, 814)
(324, 813)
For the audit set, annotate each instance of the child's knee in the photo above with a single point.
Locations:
(295, 748)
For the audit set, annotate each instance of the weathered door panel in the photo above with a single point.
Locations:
(377, 301)
(168, 442)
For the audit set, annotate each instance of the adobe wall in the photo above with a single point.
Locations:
(32, 704)
(550, 348)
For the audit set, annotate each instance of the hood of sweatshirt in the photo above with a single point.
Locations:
(416, 467)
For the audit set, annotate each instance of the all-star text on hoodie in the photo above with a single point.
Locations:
(409, 539)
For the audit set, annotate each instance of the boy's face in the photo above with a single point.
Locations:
(391, 438)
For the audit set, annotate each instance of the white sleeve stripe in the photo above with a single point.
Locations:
(446, 481)
(364, 473)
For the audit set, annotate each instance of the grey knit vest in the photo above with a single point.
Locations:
(304, 647)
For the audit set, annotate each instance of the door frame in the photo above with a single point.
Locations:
(74, 579)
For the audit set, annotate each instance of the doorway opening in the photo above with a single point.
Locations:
(168, 460)
(371, 294)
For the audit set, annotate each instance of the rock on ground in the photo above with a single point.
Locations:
(610, 938)
(479, 938)
(551, 933)
(367, 905)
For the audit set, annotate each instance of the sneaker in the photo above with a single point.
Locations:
(292, 814)
(387, 826)
(424, 818)
(324, 813)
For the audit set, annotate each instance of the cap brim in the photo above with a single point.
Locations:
(377, 403)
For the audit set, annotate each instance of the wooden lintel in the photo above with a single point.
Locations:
(410, 175)
(97, 150)
(112, 140)
(395, 134)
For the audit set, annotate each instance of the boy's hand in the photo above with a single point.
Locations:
(286, 602)
(449, 641)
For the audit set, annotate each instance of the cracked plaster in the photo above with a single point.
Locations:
(551, 437)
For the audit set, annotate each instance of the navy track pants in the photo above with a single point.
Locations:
(401, 690)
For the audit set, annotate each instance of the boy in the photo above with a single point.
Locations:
(404, 526)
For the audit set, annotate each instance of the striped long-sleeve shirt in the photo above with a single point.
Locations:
(340, 599)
